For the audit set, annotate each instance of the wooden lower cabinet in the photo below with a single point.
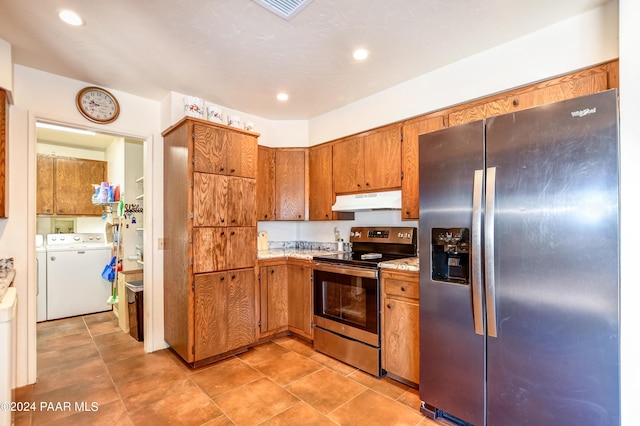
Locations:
(286, 297)
(299, 284)
(401, 325)
(225, 312)
(274, 296)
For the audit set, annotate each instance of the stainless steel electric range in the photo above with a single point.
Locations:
(347, 295)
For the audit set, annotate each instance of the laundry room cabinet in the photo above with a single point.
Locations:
(210, 240)
(65, 185)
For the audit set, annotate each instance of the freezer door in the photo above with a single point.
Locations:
(555, 357)
(451, 353)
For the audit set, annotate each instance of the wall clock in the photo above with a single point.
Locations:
(97, 105)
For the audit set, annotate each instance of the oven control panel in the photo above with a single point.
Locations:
(392, 235)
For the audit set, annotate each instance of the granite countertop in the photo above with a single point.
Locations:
(296, 253)
(405, 264)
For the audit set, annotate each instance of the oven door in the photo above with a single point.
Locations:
(347, 301)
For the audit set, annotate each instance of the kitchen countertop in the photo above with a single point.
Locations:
(405, 264)
(292, 252)
(5, 282)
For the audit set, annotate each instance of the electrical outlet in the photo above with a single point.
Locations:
(336, 233)
(160, 243)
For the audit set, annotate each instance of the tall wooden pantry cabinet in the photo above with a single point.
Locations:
(210, 239)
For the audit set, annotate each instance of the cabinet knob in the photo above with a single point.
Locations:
(233, 221)
(233, 232)
(358, 185)
(222, 169)
(233, 170)
(326, 215)
(403, 289)
(388, 306)
(272, 271)
(222, 219)
(367, 184)
(222, 233)
(299, 216)
(222, 278)
(233, 277)
(265, 216)
(516, 102)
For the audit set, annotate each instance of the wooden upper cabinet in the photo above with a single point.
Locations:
(44, 193)
(581, 86)
(370, 162)
(290, 184)
(566, 87)
(320, 183)
(224, 151)
(210, 199)
(73, 186)
(266, 183)
(210, 149)
(242, 157)
(411, 130)
(241, 204)
(382, 159)
(348, 165)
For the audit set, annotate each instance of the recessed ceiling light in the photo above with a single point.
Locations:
(71, 18)
(360, 54)
(282, 96)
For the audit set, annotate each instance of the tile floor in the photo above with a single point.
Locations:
(91, 372)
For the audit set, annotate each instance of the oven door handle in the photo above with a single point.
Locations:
(347, 270)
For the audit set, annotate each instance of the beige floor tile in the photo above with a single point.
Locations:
(296, 345)
(66, 358)
(333, 364)
(261, 353)
(61, 327)
(134, 368)
(411, 398)
(299, 414)
(112, 413)
(98, 328)
(63, 342)
(122, 351)
(99, 317)
(190, 407)
(87, 372)
(384, 385)
(287, 368)
(255, 402)
(113, 338)
(220, 421)
(371, 408)
(225, 376)
(152, 388)
(325, 390)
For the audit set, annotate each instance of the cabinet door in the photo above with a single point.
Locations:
(210, 149)
(410, 166)
(401, 338)
(299, 299)
(320, 183)
(44, 193)
(74, 180)
(242, 247)
(570, 89)
(210, 199)
(241, 322)
(209, 249)
(242, 156)
(241, 202)
(290, 185)
(266, 184)
(382, 160)
(348, 166)
(273, 299)
(211, 311)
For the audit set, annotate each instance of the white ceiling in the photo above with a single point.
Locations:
(238, 54)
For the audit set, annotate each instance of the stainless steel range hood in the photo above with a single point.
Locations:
(388, 200)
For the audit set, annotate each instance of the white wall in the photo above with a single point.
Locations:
(39, 95)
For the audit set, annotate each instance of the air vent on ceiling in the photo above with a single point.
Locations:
(285, 9)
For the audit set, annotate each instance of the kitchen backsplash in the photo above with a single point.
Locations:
(306, 245)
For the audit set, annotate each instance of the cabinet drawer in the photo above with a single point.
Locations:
(402, 287)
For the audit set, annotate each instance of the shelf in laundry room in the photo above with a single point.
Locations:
(140, 197)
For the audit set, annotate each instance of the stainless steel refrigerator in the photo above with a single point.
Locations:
(519, 267)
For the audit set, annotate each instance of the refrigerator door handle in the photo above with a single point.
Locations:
(476, 252)
(489, 255)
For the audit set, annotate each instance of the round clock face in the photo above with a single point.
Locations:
(97, 105)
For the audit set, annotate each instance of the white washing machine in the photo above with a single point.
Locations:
(41, 271)
(74, 274)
